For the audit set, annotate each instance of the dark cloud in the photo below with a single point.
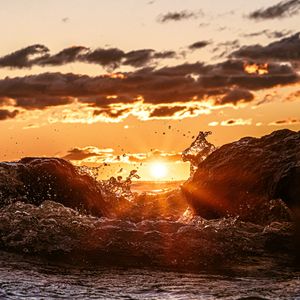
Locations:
(6, 114)
(138, 58)
(224, 48)
(284, 122)
(235, 96)
(236, 122)
(164, 54)
(266, 99)
(68, 55)
(86, 152)
(179, 16)
(102, 155)
(141, 58)
(230, 122)
(111, 58)
(181, 83)
(42, 102)
(268, 33)
(112, 113)
(199, 45)
(24, 58)
(166, 156)
(280, 10)
(286, 49)
(114, 57)
(104, 101)
(232, 73)
(78, 154)
(165, 111)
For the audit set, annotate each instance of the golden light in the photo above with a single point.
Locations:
(260, 69)
(158, 170)
(115, 75)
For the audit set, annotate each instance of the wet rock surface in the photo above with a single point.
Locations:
(104, 223)
(241, 177)
(34, 180)
(56, 232)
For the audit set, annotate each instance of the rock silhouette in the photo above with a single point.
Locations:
(240, 177)
(34, 180)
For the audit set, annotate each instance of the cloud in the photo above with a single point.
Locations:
(86, 152)
(199, 45)
(68, 55)
(235, 96)
(293, 96)
(169, 92)
(165, 111)
(284, 122)
(96, 155)
(179, 16)
(225, 48)
(232, 122)
(164, 54)
(113, 113)
(268, 33)
(236, 122)
(42, 102)
(6, 114)
(110, 58)
(24, 58)
(140, 58)
(286, 49)
(280, 10)
(106, 101)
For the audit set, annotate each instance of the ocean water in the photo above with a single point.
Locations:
(150, 245)
(52, 251)
(30, 278)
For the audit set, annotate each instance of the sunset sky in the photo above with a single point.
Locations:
(129, 83)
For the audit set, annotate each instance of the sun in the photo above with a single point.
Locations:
(158, 170)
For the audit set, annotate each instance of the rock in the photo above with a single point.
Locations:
(34, 180)
(242, 176)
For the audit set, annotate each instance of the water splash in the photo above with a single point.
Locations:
(198, 151)
(118, 189)
(52, 229)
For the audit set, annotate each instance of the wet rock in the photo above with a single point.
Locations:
(240, 177)
(34, 180)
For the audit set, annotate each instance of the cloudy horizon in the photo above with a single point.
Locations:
(75, 85)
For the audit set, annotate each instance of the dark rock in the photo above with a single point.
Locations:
(242, 176)
(34, 180)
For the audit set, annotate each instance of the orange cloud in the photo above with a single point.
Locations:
(260, 69)
(232, 122)
(284, 122)
(93, 154)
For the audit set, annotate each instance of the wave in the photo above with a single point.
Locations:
(57, 232)
(48, 207)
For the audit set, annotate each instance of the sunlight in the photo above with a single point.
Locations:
(158, 170)
(260, 69)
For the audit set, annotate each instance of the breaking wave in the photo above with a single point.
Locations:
(55, 231)
(134, 229)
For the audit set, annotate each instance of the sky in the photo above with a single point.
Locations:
(124, 84)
